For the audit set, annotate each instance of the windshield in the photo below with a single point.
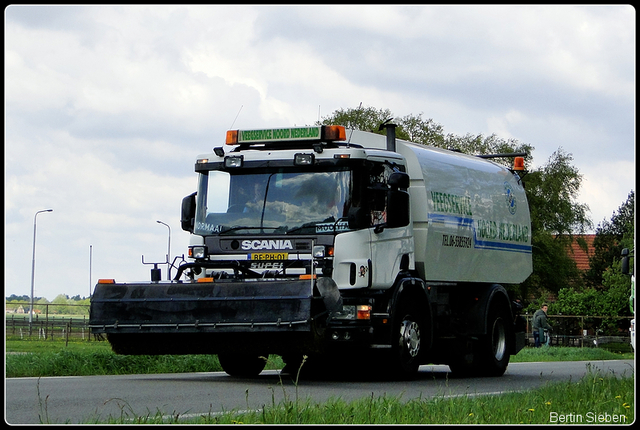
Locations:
(273, 203)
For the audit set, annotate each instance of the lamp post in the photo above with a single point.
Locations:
(168, 251)
(33, 266)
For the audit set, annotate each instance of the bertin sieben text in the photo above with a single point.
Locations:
(588, 418)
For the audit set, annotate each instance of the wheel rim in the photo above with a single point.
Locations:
(499, 339)
(410, 338)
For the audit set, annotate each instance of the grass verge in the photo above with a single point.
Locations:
(81, 358)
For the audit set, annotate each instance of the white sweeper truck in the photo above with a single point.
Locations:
(325, 244)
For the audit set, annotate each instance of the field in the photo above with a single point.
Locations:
(598, 399)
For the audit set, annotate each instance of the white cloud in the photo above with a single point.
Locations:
(606, 186)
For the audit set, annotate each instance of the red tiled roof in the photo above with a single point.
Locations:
(578, 255)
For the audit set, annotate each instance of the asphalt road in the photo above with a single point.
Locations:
(86, 398)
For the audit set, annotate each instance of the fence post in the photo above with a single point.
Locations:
(46, 324)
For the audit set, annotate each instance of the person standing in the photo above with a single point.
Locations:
(540, 325)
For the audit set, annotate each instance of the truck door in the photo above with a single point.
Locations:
(388, 243)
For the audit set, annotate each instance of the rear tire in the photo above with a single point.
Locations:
(489, 355)
(495, 346)
(241, 365)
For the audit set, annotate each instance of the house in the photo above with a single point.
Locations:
(578, 254)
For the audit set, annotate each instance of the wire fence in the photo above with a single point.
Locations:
(568, 330)
(584, 330)
(49, 321)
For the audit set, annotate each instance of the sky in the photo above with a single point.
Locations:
(107, 107)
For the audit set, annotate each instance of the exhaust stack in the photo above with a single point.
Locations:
(391, 134)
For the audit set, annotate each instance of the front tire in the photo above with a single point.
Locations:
(408, 342)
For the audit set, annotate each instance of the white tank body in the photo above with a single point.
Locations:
(470, 217)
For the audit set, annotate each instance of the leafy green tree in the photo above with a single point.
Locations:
(14, 298)
(38, 305)
(61, 301)
(417, 129)
(493, 144)
(552, 192)
(556, 215)
(609, 243)
(363, 119)
(553, 269)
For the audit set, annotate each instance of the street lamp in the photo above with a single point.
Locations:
(168, 251)
(33, 265)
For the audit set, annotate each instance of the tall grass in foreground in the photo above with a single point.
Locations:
(595, 399)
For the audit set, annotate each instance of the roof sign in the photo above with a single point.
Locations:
(235, 137)
(278, 134)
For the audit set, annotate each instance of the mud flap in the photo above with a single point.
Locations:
(207, 307)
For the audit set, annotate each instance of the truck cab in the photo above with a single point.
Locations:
(279, 212)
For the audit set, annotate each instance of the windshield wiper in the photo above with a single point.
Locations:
(232, 229)
(302, 227)
(316, 223)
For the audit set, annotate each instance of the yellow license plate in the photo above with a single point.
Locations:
(269, 256)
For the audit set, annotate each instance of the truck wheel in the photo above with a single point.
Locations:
(407, 343)
(489, 355)
(495, 346)
(242, 366)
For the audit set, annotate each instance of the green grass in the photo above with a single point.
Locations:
(35, 358)
(560, 353)
(15, 344)
(38, 358)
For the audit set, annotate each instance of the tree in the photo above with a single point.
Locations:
(61, 301)
(363, 119)
(552, 193)
(556, 215)
(38, 305)
(479, 144)
(416, 129)
(608, 242)
(14, 298)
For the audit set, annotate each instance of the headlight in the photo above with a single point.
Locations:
(321, 251)
(348, 312)
(233, 161)
(303, 159)
(198, 251)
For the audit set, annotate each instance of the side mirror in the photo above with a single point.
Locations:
(625, 261)
(398, 200)
(398, 180)
(188, 212)
(397, 208)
